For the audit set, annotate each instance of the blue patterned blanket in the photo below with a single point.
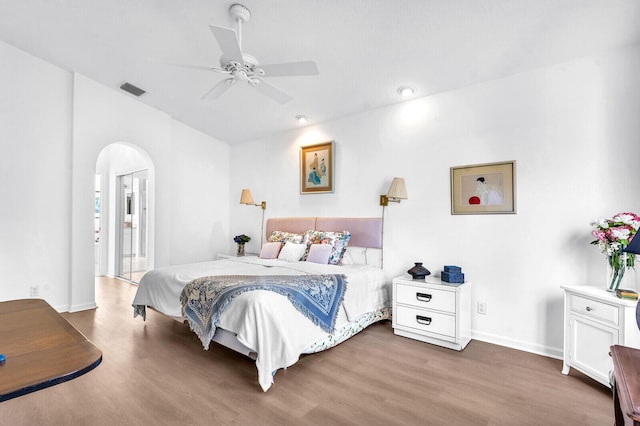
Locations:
(317, 297)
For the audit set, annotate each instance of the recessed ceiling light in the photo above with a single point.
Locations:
(302, 119)
(406, 91)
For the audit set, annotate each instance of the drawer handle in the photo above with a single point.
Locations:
(423, 297)
(589, 309)
(423, 320)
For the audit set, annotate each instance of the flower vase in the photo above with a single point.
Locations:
(621, 272)
(240, 251)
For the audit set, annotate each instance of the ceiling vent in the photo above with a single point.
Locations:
(130, 88)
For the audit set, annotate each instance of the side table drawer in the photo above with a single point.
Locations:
(432, 322)
(428, 298)
(594, 308)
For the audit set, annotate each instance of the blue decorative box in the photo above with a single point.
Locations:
(452, 269)
(453, 277)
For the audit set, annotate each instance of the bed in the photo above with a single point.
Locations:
(267, 325)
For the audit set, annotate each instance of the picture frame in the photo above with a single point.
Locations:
(488, 188)
(316, 168)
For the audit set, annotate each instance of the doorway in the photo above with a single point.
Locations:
(97, 224)
(125, 217)
(132, 224)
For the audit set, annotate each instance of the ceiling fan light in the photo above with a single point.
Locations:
(302, 119)
(406, 91)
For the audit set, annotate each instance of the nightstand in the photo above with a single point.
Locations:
(432, 311)
(233, 256)
(594, 320)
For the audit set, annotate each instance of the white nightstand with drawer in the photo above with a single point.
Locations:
(594, 320)
(234, 256)
(432, 311)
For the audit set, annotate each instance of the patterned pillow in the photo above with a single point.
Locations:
(337, 240)
(283, 237)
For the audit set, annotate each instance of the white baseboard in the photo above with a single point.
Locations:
(61, 308)
(84, 307)
(518, 344)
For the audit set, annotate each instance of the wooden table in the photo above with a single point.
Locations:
(626, 387)
(42, 349)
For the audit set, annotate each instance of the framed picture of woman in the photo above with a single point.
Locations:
(484, 188)
(316, 168)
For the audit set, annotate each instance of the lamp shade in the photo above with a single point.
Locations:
(634, 245)
(246, 197)
(397, 190)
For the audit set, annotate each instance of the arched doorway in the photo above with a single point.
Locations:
(125, 214)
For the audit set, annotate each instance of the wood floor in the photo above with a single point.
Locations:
(156, 373)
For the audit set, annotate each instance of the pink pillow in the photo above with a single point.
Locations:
(337, 240)
(319, 253)
(270, 250)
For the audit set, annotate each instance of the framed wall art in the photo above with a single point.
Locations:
(484, 188)
(316, 168)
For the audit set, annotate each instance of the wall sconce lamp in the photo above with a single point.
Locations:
(397, 192)
(247, 199)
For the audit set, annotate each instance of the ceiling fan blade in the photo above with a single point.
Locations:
(271, 91)
(228, 43)
(194, 67)
(290, 69)
(217, 90)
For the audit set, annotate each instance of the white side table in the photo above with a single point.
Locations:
(233, 256)
(594, 320)
(432, 311)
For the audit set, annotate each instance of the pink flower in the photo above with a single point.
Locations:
(613, 235)
(629, 219)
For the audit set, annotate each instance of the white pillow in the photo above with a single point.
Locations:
(362, 256)
(292, 252)
(319, 253)
(355, 255)
(270, 250)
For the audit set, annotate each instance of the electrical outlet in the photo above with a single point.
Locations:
(482, 308)
(34, 291)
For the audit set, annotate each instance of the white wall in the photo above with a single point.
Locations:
(191, 176)
(573, 130)
(54, 124)
(198, 207)
(35, 177)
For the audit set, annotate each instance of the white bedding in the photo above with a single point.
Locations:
(262, 320)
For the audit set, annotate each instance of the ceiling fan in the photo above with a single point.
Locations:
(241, 66)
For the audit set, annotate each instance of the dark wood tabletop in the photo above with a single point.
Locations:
(41, 348)
(626, 390)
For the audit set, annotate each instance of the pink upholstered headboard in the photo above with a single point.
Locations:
(365, 231)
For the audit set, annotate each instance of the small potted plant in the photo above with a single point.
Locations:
(241, 240)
